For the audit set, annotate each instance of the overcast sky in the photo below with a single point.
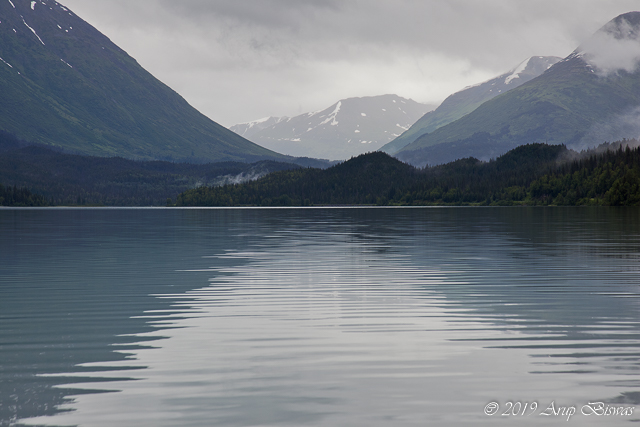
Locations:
(241, 60)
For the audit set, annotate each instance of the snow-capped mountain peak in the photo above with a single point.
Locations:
(347, 128)
(468, 99)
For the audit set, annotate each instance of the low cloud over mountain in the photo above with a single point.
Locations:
(616, 47)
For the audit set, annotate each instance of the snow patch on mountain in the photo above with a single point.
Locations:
(516, 73)
(332, 116)
(6, 62)
(32, 30)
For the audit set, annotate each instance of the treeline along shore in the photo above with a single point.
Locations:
(531, 175)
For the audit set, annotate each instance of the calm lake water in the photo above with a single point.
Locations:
(320, 317)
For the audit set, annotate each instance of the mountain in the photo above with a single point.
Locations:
(591, 96)
(65, 84)
(347, 128)
(465, 101)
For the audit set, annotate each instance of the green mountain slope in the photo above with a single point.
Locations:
(465, 101)
(559, 107)
(65, 84)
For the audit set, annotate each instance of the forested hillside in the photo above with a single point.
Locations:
(68, 179)
(360, 180)
(533, 174)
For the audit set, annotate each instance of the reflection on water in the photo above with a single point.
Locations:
(320, 317)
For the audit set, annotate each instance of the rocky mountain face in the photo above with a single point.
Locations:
(589, 97)
(65, 84)
(465, 101)
(347, 128)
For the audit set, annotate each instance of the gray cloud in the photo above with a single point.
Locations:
(241, 60)
(616, 48)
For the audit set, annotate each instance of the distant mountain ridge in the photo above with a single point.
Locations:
(347, 128)
(468, 99)
(251, 128)
(65, 84)
(591, 96)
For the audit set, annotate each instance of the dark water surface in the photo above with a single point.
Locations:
(320, 317)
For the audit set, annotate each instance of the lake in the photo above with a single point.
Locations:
(320, 317)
